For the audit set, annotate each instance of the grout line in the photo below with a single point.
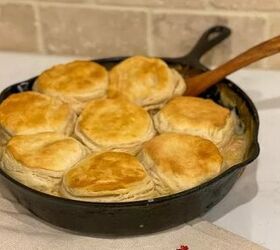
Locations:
(150, 43)
(80, 5)
(209, 5)
(157, 9)
(264, 63)
(40, 42)
(267, 35)
(267, 27)
(229, 13)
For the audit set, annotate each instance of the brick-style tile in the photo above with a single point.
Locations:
(17, 27)
(175, 34)
(93, 32)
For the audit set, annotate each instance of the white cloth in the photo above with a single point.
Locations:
(19, 229)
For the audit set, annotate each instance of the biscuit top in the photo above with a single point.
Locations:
(114, 121)
(197, 112)
(31, 112)
(183, 160)
(49, 151)
(141, 79)
(73, 79)
(105, 172)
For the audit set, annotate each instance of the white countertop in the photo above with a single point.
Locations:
(252, 208)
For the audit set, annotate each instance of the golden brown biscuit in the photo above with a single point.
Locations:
(114, 124)
(39, 160)
(75, 83)
(31, 112)
(148, 82)
(108, 177)
(196, 116)
(178, 162)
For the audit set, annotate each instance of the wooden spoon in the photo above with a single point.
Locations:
(197, 84)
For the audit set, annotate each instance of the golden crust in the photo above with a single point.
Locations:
(196, 111)
(181, 161)
(30, 112)
(39, 160)
(196, 116)
(107, 174)
(107, 124)
(108, 171)
(50, 151)
(145, 81)
(83, 80)
(38, 157)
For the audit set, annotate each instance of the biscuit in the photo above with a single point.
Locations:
(39, 160)
(75, 83)
(179, 162)
(107, 177)
(114, 124)
(196, 116)
(148, 82)
(31, 112)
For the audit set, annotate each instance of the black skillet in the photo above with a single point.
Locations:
(142, 217)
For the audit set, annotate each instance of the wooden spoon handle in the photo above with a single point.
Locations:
(197, 84)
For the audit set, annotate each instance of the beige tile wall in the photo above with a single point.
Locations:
(102, 28)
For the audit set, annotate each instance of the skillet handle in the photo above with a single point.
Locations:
(207, 41)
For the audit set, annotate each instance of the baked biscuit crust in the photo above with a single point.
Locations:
(178, 162)
(114, 124)
(39, 160)
(108, 176)
(198, 138)
(196, 116)
(31, 112)
(148, 82)
(75, 82)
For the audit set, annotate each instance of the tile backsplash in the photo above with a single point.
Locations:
(104, 28)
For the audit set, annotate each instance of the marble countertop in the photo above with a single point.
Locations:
(252, 208)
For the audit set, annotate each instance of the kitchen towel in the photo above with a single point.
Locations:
(21, 230)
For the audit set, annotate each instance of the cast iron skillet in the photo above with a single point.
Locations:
(142, 217)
